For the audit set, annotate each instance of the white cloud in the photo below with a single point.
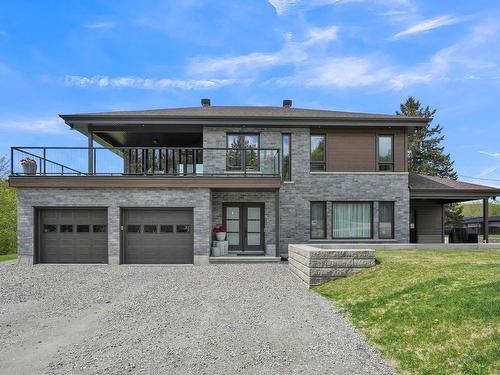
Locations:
(492, 154)
(340, 72)
(427, 25)
(252, 63)
(283, 7)
(46, 126)
(488, 170)
(316, 35)
(148, 83)
(100, 25)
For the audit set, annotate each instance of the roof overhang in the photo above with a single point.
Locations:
(453, 195)
(79, 121)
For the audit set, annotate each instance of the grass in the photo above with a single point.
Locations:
(428, 311)
(8, 257)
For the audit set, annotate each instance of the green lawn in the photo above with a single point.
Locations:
(8, 257)
(429, 312)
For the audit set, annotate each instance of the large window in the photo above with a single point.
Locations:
(318, 153)
(386, 220)
(385, 153)
(286, 151)
(318, 220)
(239, 159)
(352, 220)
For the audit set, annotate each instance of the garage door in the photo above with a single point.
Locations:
(158, 236)
(73, 236)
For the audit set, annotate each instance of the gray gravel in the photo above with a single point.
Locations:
(217, 319)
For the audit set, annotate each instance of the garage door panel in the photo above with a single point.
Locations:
(162, 243)
(66, 236)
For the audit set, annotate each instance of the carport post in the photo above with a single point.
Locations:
(485, 220)
(90, 151)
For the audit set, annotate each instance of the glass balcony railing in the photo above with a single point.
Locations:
(144, 161)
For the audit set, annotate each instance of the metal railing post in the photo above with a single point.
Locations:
(244, 162)
(90, 152)
(44, 160)
(12, 160)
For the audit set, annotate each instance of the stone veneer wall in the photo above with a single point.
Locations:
(295, 196)
(314, 266)
(219, 197)
(113, 200)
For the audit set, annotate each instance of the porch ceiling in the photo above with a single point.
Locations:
(151, 139)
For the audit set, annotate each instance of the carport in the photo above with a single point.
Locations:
(428, 197)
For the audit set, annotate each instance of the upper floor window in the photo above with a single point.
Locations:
(385, 152)
(318, 154)
(239, 160)
(286, 154)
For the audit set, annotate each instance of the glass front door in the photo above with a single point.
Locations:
(245, 226)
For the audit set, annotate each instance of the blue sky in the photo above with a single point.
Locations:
(358, 55)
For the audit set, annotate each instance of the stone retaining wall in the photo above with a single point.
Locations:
(314, 266)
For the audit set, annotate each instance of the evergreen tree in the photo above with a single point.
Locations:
(426, 155)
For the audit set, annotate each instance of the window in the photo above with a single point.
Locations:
(385, 153)
(286, 154)
(386, 220)
(318, 220)
(150, 229)
(352, 220)
(133, 228)
(166, 228)
(183, 228)
(83, 228)
(99, 228)
(66, 228)
(239, 160)
(49, 228)
(318, 155)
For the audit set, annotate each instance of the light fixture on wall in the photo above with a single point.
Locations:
(155, 141)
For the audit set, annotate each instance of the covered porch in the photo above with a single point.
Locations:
(429, 196)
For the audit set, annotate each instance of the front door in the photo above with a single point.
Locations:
(245, 226)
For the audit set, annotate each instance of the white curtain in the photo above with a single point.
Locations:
(351, 220)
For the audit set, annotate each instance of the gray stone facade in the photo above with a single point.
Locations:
(295, 196)
(113, 200)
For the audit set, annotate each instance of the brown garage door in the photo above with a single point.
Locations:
(73, 236)
(158, 236)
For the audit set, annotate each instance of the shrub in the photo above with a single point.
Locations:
(8, 219)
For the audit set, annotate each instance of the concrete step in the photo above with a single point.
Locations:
(244, 259)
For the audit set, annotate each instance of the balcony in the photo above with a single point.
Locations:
(144, 163)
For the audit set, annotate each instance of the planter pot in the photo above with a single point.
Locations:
(29, 168)
(221, 236)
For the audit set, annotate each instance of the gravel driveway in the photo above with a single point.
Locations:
(217, 319)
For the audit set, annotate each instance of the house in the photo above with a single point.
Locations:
(150, 185)
(476, 225)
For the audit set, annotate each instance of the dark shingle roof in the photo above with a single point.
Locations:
(248, 112)
(479, 219)
(421, 182)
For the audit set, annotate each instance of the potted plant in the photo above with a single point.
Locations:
(220, 232)
(29, 165)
